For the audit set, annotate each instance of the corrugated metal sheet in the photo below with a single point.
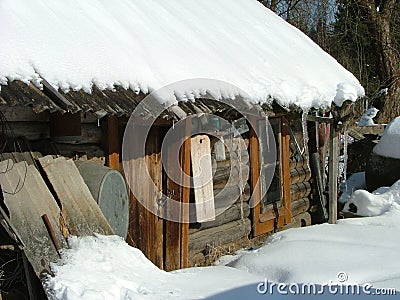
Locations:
(119, 102)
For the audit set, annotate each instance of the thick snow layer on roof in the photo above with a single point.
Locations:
(389, 144)
(146, 44)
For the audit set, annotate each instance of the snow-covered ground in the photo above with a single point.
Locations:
(362, 250)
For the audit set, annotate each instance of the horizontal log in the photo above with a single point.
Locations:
(23, 114)
(232, 143)
(231, 214)
(300, 190)
(376, 129)
(299, 206)
(219, 235)
(235, 162)
(30, 130)
(297, 164)
(224, 174)
(227, 197)
(78, 150)
(300, 174)
(90, 134)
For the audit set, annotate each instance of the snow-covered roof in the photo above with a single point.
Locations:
(144, 45)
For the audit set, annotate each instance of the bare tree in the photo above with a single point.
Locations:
(378, 15)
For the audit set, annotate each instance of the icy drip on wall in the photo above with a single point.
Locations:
(305, 132)
(344, 157)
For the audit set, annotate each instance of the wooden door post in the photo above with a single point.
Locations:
(111, 142)
(333, 173)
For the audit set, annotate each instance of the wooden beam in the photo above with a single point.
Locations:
(254, 149)
(319, 119)
(56, 96)
(333, 174)
(177, 233)
(145, 228)
(152, 225)
(185, 162)
(111, 142)
(286, 178)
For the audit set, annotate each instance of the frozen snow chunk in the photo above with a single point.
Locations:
(368, 116)
(377, 203)
(345, 91)
(355, 182)
(389, 144)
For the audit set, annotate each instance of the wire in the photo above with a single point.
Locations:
(7, 132)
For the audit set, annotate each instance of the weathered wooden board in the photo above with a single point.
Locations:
(235, 212)
(202, 178)
(27, 198)
(17, 157)
(219, 235)
(83, 215)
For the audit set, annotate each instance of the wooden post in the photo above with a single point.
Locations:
(254, 149)
(145, 228)
(177, 233)
(111, 142)
(285, 162)
(333, 173)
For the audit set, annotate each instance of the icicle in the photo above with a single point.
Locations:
(173, 124)
(266, 132)
(305, 131)
(219, 149)
(241, 184)
(98, 122)
(345, 157)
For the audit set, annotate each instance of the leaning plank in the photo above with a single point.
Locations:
(219, 235)
(84, 216)
(27, 198)
(202, 178)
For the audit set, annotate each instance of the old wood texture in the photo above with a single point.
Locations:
(254, 150)
(17, 157)
(176, 233)
(216, 236)
(28, 198)
(59, 130)
(111, 143)
(286, 174)
(235, 212)
(146, 230)
(271, 219)
(202, 178)
(82, 214)
(333, 174)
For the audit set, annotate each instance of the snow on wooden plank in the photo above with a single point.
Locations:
(27, 198)
(83, 215)
(202, 178)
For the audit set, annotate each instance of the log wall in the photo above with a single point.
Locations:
(230, 230)
(35, 130)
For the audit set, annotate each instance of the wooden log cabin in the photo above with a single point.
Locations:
(41, 118)
(35, 122)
